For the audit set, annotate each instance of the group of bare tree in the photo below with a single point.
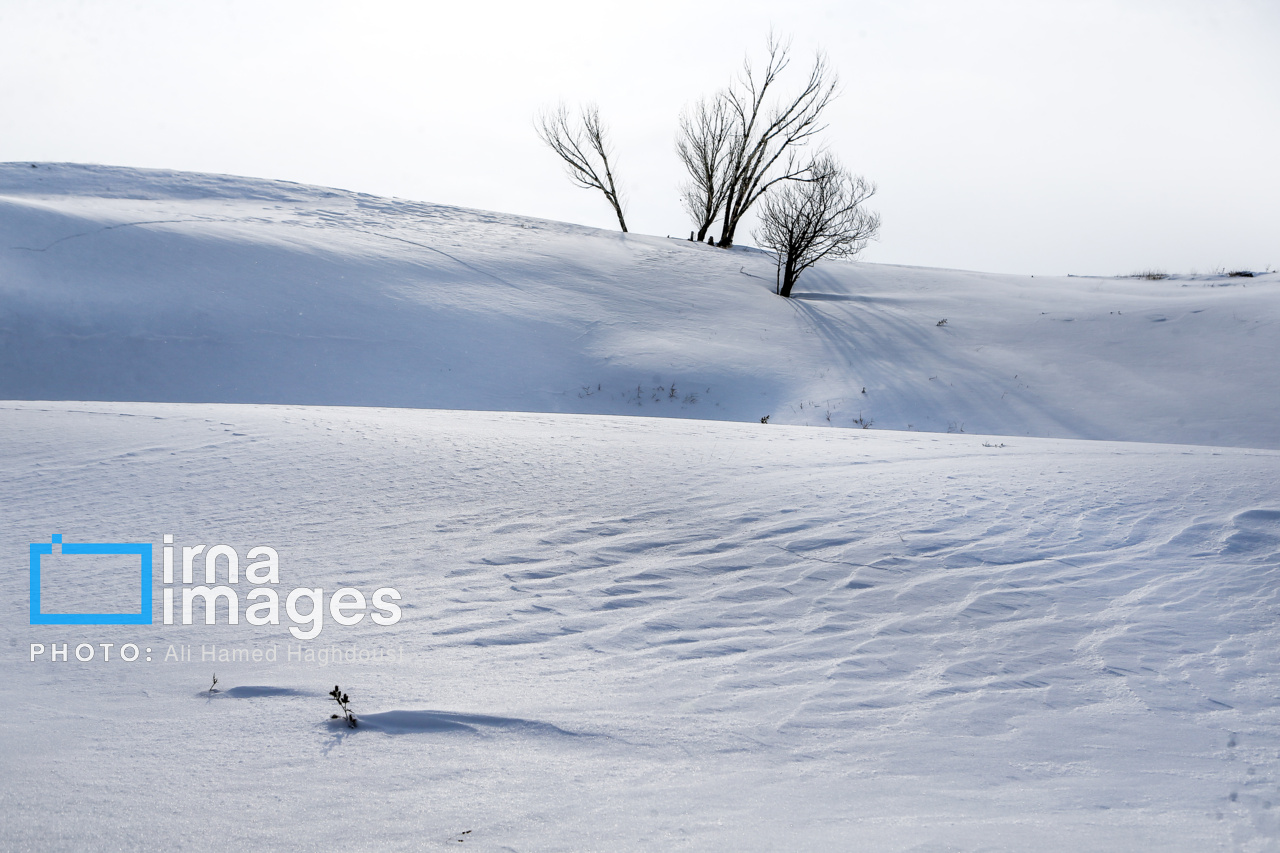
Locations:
(741, 146)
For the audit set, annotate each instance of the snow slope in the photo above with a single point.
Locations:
(120, 284)
(626, 633)
(649, 634)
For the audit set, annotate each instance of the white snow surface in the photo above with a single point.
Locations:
(121, 284)
(629, 633)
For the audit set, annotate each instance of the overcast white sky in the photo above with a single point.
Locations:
(1030, 136)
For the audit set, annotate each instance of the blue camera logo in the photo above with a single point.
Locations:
(141, 550)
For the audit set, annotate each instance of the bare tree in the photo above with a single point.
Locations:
(704, 144)
(766, 134)
(585, 150)
(804, 221)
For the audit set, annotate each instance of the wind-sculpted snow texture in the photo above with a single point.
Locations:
(649, 634)
(121, 284)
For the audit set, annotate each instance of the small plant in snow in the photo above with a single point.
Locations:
(215, 684)
(942, 322)
(765, 419)
(863, 421)
(343, 701)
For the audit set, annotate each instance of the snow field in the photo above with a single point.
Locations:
(652, 634)
(662, 632)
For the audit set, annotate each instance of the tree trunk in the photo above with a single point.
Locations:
(726, 231)
(788, 277)
(617, 208)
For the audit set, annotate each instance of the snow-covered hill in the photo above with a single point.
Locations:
(119, 284)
